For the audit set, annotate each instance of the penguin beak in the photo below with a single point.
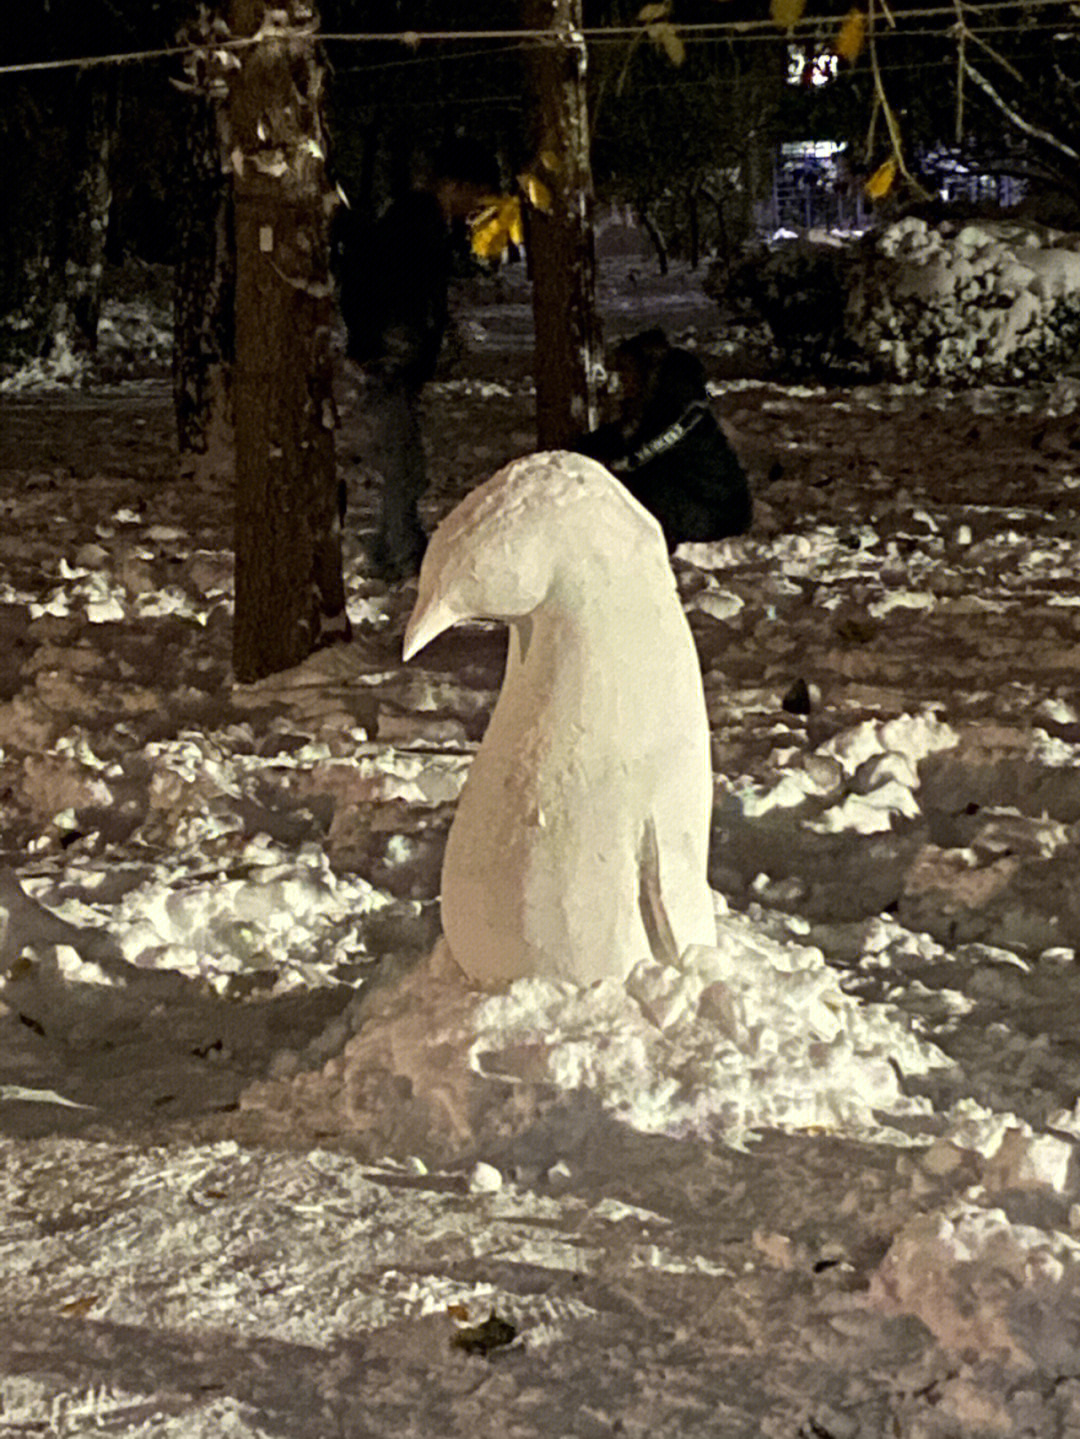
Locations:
(430, 616)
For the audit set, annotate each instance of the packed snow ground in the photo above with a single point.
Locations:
(268, 1163)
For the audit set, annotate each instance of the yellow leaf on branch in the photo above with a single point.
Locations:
(661, 31)
(496, 226)
(488, 237)
(499, 222)
(881, 181)
(670, 41)
(852, 36)
(535, 191)
(786, 14)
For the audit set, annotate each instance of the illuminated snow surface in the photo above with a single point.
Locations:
(267, 1158)
(950, 302)
(960, 300)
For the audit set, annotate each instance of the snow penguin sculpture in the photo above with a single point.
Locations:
(579, 844)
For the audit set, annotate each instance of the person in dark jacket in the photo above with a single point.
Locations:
(667, 447)
(394, 279)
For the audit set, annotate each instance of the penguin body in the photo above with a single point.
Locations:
(579, 845)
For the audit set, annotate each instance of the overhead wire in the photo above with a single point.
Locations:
(426, 59)
(764, 29)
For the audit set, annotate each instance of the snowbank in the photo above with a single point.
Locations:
(997, 299)
(943, 303)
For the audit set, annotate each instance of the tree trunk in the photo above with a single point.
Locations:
(88, 220)
(288, 553)
(562, 259)
(756, 172)
(205, 289)
(32, 226)
(652, 229)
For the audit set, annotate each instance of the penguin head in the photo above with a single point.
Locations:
(498, 554)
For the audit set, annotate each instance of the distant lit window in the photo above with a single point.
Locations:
(811, 150)
(809, 67)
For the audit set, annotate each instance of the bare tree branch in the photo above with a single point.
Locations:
(1035, 131)
(891, 121)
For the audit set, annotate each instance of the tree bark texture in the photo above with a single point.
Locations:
(562, 257)
(288, 553)
(205, 285)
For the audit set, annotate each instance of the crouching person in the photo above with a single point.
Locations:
(667, 447)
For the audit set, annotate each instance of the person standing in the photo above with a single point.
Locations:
(394, 280)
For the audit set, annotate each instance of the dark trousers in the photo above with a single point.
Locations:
(394, 408)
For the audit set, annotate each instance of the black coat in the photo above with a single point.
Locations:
(394, 279)
(686, 474)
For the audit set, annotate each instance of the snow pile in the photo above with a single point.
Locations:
(201, 792)
(862, 779)
(1008, 1154)
(754, 1033)
(981, 1282)
(279, 913)
(110, 588)
(951, 302)
(994, 1270)
(288, 916)
(60, 369)
(134, 337)
(750, 1034)
(105, 600)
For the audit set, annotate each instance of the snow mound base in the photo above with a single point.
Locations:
(750, 1034)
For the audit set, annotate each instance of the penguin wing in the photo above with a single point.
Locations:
(654, 915)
